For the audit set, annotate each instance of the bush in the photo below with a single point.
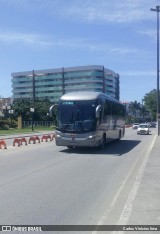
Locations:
(6, 124)
(4, 127)
(2, 123)
(13, 125)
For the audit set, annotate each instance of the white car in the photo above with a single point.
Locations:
(143, 129)
(135, 125)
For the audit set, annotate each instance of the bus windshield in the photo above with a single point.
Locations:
(76, 116)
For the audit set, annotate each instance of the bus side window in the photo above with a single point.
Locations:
(115, 110)
(107, 111)
(121, 111)
(108, 108)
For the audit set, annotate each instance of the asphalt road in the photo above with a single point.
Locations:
(43, 184)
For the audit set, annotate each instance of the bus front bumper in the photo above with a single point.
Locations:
(88, 140)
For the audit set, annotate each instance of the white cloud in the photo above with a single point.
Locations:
(24, 38)
(41, 41)
(123, 11)
(152, 33)
(93, 46)
(138, 73)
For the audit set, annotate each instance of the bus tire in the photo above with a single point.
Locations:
(119, 135)
(70, 147)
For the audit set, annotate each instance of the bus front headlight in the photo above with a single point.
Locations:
(90, 137)
(58, 135)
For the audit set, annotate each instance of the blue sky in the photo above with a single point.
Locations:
(45, 34)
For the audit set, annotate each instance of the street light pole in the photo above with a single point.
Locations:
(32, 112)
(158, 107)
(33, 84)
(6, 109)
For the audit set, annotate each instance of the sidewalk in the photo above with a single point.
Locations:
(34, 133)
(146, 206)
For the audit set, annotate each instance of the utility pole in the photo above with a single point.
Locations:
(33, 85)
(157, 9)
(32, 109)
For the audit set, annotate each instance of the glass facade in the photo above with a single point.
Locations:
(53, 83)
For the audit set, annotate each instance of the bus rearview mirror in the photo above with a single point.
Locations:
(53, 109)
(98, 111)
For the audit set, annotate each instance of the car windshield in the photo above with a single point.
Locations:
(143, 126)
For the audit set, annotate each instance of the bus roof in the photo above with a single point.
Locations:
(82, 96)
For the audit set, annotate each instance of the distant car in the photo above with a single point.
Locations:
(135, 125)
(152, 125)
(143, 129)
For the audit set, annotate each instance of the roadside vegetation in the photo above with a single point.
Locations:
(26, 130)
(146, 110)
(22, 107)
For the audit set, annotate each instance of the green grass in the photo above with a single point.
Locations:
(26, 130)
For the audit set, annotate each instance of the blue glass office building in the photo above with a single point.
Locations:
(53, 83)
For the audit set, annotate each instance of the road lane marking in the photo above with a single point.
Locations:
(115, 198)
(107, 211)
(126, 213)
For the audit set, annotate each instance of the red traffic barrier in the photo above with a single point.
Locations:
(34, 139)
(128, 126)
(3, 144)
(19, 141)
(46, 137)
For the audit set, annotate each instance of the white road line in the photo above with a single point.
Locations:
(126, 213)
(104, 217)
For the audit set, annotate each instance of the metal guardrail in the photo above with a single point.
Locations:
(37, 123)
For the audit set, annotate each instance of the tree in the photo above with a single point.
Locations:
(150, 102)
(133, 107)
(144, 112)
(41, 110)
(22, 107)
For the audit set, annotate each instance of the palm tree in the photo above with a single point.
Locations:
(143, 111)
(133, 107)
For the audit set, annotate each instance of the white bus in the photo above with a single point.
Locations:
(88, 119)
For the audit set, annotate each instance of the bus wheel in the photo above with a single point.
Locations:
(119, 135)
(70, 147)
